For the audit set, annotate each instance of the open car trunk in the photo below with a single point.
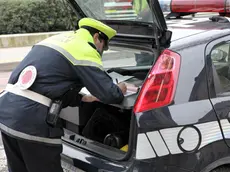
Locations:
(105, 129)
(97, 135)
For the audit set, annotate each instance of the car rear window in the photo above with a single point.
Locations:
(122, 57)
(117, 10)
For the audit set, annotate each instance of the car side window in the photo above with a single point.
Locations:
(220, 56)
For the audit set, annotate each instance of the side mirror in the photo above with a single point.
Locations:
(218, 55)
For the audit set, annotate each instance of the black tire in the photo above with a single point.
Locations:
(222, 169)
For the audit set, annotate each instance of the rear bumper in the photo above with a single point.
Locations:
(80, 159)
(76, 159)
(69, 167)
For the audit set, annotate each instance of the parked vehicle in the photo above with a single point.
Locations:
(180, 8)
(178, 120)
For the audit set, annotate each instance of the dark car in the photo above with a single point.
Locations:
(175, 116)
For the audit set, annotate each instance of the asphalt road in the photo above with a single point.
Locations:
(13, 54)
(3, 163)
(4, 79)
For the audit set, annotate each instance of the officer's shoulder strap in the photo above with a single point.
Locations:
(92, 45)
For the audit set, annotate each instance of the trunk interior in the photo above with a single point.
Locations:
(101, 128)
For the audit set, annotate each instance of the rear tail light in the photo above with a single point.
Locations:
(159, 88)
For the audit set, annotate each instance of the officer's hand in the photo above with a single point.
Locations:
(123, 87)
(89, 98)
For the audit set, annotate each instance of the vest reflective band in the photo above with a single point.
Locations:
(30, 137)
(28, 94)
(70, 57)
(37, 98)
(75, 47)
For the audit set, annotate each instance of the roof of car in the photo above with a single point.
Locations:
(188, 29)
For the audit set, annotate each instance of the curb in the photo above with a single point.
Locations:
(19, 41)
(22, 40)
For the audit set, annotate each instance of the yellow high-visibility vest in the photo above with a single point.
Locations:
(75, 47)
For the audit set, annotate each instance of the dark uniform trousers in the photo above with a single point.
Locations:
(44, 158)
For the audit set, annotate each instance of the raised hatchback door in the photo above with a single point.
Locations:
(129, 17)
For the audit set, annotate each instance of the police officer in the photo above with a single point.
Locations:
(48, 79)
(142, 10)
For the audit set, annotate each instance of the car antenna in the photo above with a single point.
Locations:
(70, 16)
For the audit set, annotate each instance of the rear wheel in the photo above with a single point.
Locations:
(222, 169)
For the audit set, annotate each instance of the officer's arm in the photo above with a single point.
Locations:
(70, 100)
(99, 84)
